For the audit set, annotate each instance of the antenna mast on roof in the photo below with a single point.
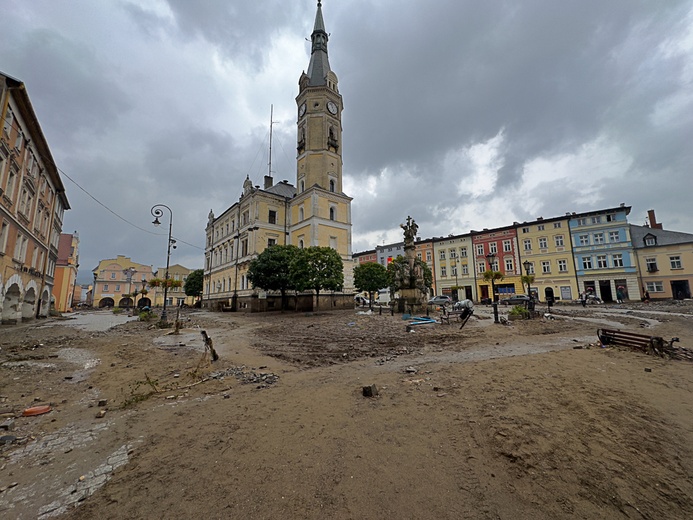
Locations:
(269, 164)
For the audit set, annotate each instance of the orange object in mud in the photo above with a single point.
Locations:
(36, 410)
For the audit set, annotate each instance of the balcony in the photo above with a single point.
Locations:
(652, 269)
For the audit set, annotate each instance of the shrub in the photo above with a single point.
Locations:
(519, 310)
(145, 316)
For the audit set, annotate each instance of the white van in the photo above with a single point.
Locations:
(384, 296)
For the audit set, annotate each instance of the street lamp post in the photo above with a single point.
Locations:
(93, 289)
(527, 265)
(129, 273)
(491, 258)
(158, 212)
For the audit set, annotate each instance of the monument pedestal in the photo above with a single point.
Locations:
(411, 301)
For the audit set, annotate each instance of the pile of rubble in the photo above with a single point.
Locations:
(247, 377)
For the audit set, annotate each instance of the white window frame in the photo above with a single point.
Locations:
(654, 287)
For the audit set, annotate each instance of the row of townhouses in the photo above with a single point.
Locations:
(597, 251)
(32, 205)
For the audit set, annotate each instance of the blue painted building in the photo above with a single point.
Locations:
(603, 254)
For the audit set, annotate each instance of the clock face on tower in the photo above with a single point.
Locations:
(301, 110)
(332, 107)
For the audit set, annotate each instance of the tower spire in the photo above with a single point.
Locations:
(319, 63)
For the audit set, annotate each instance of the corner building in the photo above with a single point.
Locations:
(313, 212)
(32, 205)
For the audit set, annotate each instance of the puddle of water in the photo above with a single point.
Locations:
(93, 321)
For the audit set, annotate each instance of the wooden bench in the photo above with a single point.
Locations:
(647, 344)
(462, 316)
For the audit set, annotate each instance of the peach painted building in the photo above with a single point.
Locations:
(64, 290)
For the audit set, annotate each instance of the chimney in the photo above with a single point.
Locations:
(268, 181)
(653, 220)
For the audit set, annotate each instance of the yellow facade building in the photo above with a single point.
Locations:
(454, 267)
(665, 262)
(546, 245)
(175, 295)
(117, 279)
(313, 212)
(32, 205)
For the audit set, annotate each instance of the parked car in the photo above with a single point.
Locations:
(440, 300)
(360, 300)
(517, 299)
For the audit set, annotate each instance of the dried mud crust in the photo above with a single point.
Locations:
(320, 339)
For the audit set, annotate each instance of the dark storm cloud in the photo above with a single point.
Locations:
(71, 87)
(463, 114)
(241, 30)
(551, 75)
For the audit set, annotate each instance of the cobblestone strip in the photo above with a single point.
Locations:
(87, 485)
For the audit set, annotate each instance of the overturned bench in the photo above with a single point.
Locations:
(653, 345)
(461, 315)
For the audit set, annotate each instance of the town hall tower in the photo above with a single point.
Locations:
(321, 212)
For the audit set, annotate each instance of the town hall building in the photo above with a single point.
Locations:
(313, 212)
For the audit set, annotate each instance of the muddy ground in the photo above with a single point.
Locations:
(528, 420)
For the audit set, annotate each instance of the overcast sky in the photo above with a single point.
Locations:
(463, 114)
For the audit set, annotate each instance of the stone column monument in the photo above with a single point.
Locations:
(410, 278)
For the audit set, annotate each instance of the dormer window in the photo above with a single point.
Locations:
(650, 240)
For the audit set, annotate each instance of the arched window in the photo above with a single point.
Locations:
(300, 214)
(303, 186)
(300, 244)
(332, 213)
(332, 186)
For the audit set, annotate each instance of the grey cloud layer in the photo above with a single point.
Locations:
(130, 105)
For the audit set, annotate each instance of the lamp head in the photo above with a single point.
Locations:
(527, 265)
(156, 221)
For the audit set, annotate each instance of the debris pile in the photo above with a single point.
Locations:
(247, 377)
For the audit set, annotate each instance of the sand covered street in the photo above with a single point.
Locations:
(527, 420)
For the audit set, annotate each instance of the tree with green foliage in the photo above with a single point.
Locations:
(317, 268)
(370, 277)
(271, 270)
(400, 276)
(194, 283)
